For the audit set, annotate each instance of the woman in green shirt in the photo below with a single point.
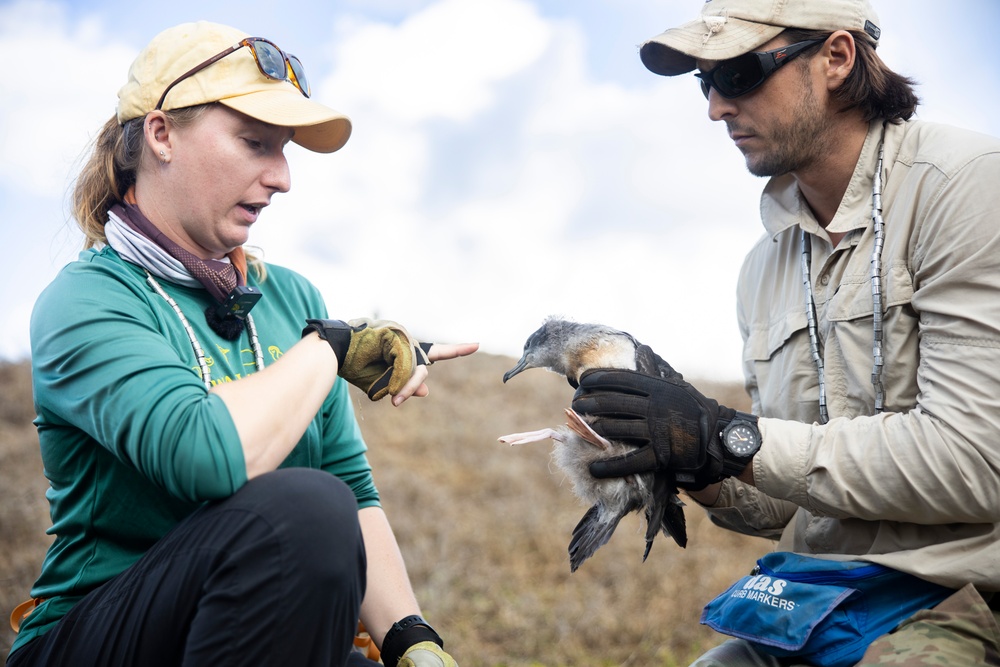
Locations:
(211, 498)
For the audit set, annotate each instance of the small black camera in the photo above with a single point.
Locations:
(238, 303)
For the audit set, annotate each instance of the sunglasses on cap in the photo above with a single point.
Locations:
(271, 61)
(738, 76)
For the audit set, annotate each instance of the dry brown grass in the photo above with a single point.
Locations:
(24, 512)
(483, 527)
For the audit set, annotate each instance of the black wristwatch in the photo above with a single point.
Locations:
(740, 441)
(403, 634)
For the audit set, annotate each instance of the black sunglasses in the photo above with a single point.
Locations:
(738, 76)
(271, 61)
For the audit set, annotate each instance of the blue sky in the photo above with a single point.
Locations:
(511, 159)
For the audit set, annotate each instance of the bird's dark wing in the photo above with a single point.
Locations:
(665, 512)
(650, 363)
(674, 524)
(645, 360)
(592, 533)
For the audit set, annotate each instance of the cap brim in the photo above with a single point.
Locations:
(317, 127)
(676, 51)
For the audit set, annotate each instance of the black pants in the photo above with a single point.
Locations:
(273, 575)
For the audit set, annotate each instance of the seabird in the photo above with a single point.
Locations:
(570, 349)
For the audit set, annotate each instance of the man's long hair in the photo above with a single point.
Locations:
(871, 87)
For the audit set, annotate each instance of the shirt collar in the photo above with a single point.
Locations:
(782, 205)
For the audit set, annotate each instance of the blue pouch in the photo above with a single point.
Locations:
(826, 612)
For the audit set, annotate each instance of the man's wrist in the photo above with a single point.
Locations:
(708, 496)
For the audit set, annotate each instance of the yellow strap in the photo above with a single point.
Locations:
(22, 611)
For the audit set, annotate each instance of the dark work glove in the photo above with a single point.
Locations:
(674, 428)
(377, 356)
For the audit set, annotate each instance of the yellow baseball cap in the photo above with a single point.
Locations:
(234, 80)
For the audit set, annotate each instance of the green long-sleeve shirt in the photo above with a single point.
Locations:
(131, 440)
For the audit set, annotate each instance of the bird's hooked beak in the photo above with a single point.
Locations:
(521, 365)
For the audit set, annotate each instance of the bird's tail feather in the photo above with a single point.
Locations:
(673, 522)
(654, 521)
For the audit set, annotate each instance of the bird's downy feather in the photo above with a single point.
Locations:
(576, 446)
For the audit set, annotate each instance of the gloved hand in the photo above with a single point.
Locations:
(426, 654)
(673, 426)
(377, 356)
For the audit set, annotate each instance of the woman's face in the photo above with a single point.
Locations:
(222, 170)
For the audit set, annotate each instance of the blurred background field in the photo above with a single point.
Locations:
(483, 527)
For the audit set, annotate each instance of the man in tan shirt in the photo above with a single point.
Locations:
(875, 432)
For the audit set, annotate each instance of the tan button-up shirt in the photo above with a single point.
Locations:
(917, 487)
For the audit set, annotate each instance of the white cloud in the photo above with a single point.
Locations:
(65, 90)
(492, 179)
(440, 63)
(567, 195)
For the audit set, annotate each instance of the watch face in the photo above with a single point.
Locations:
(742, 439)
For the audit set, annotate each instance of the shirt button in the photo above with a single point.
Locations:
(825, 280)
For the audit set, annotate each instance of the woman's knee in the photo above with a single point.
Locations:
(313, 515)
(302, 492)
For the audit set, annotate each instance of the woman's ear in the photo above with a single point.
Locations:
(156, 131)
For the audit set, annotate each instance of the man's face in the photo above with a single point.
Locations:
(781, 126)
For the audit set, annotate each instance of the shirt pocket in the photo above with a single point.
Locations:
(853, 299)
(778, 357)
(849, 341)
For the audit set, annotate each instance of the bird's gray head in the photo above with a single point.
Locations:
(570, 348)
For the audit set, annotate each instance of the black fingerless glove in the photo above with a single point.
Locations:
(672, 425)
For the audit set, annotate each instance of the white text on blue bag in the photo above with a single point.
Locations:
(762, 588)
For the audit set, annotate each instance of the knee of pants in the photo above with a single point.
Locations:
(312, 513)
(737, 652)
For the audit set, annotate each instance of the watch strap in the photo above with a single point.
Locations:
(743, 416)
(731, 466)
(403, 634)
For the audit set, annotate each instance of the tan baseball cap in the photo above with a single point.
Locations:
(730, 28)
(234, 81)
